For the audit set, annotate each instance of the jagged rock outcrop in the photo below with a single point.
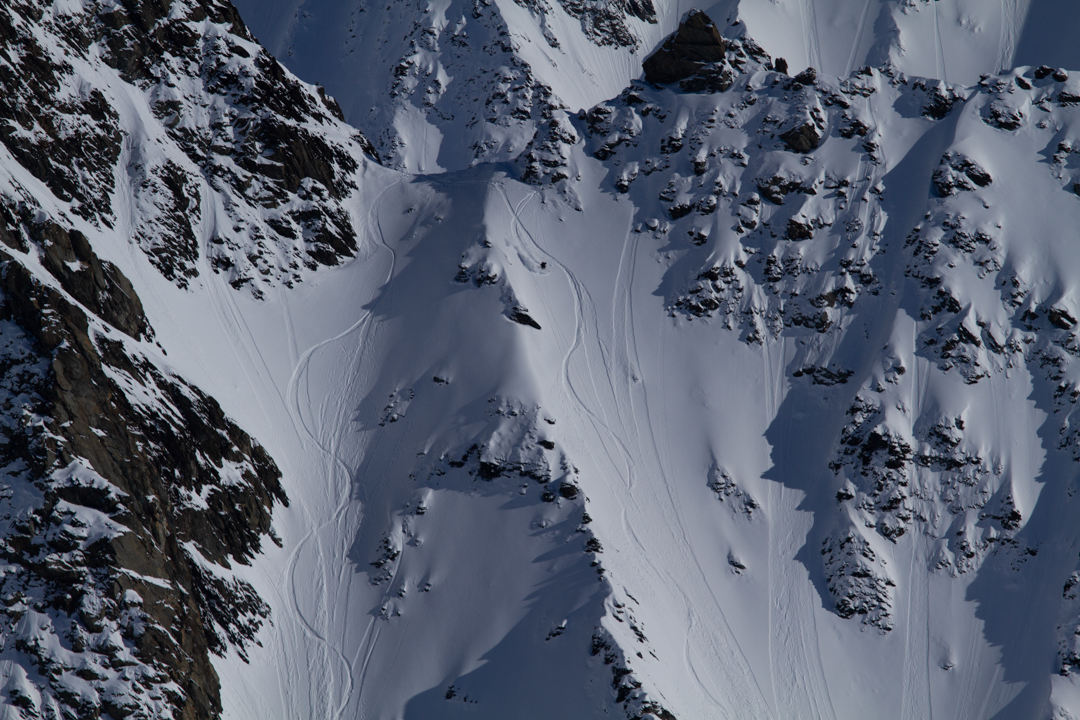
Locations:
(221, 119)
(127, 494)
(695, 44)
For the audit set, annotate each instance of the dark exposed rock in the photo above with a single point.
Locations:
(803, 138)
(824, 375)
(797, 230)
(156, 476)
(1068, 99)
(262, 148)
(1000, 115)
(855, 127)
(856, 581)
(940, 100)
(696, 43)
(522, 317)
(98, 285)
(775, 188)
(70, 143)
(605, 23)
(712, 78)
(1060, 318)
(806, 77)
(959, 172)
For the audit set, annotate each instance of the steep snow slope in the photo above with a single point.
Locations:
(843, 485)
(801, 358)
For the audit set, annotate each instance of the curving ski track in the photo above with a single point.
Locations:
(338, 470)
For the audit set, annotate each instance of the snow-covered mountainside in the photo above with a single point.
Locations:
(686, 383)
(445, 85)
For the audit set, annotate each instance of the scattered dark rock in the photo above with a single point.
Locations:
(780, 65)
(775, 188)
(605, 23)
(940, 100)
(853, 128)
(820, 375)
(1068, 99)
(797, 230)
(712, 78)
(959, 172)
(999, 115)
(1060, 318)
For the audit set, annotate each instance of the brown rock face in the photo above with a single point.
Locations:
(116, 509)
(697, 42)
(802, 139)
(98, 285)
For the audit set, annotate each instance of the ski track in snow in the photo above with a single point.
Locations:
(794, 657)
(1013, 13)
(972, 671)
(624, 426)
(726, 645)
(723, 643)
(581, 302)
(916, 681)
(333, 656)
(810, 33)
(942, 68)
(850, 65)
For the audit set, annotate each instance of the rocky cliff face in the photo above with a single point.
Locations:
(127, 493)
(446, 88)
(225, 137)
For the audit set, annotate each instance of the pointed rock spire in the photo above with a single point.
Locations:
(697, 42)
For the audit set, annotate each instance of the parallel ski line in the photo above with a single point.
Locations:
(297, 416)
(858, 38)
